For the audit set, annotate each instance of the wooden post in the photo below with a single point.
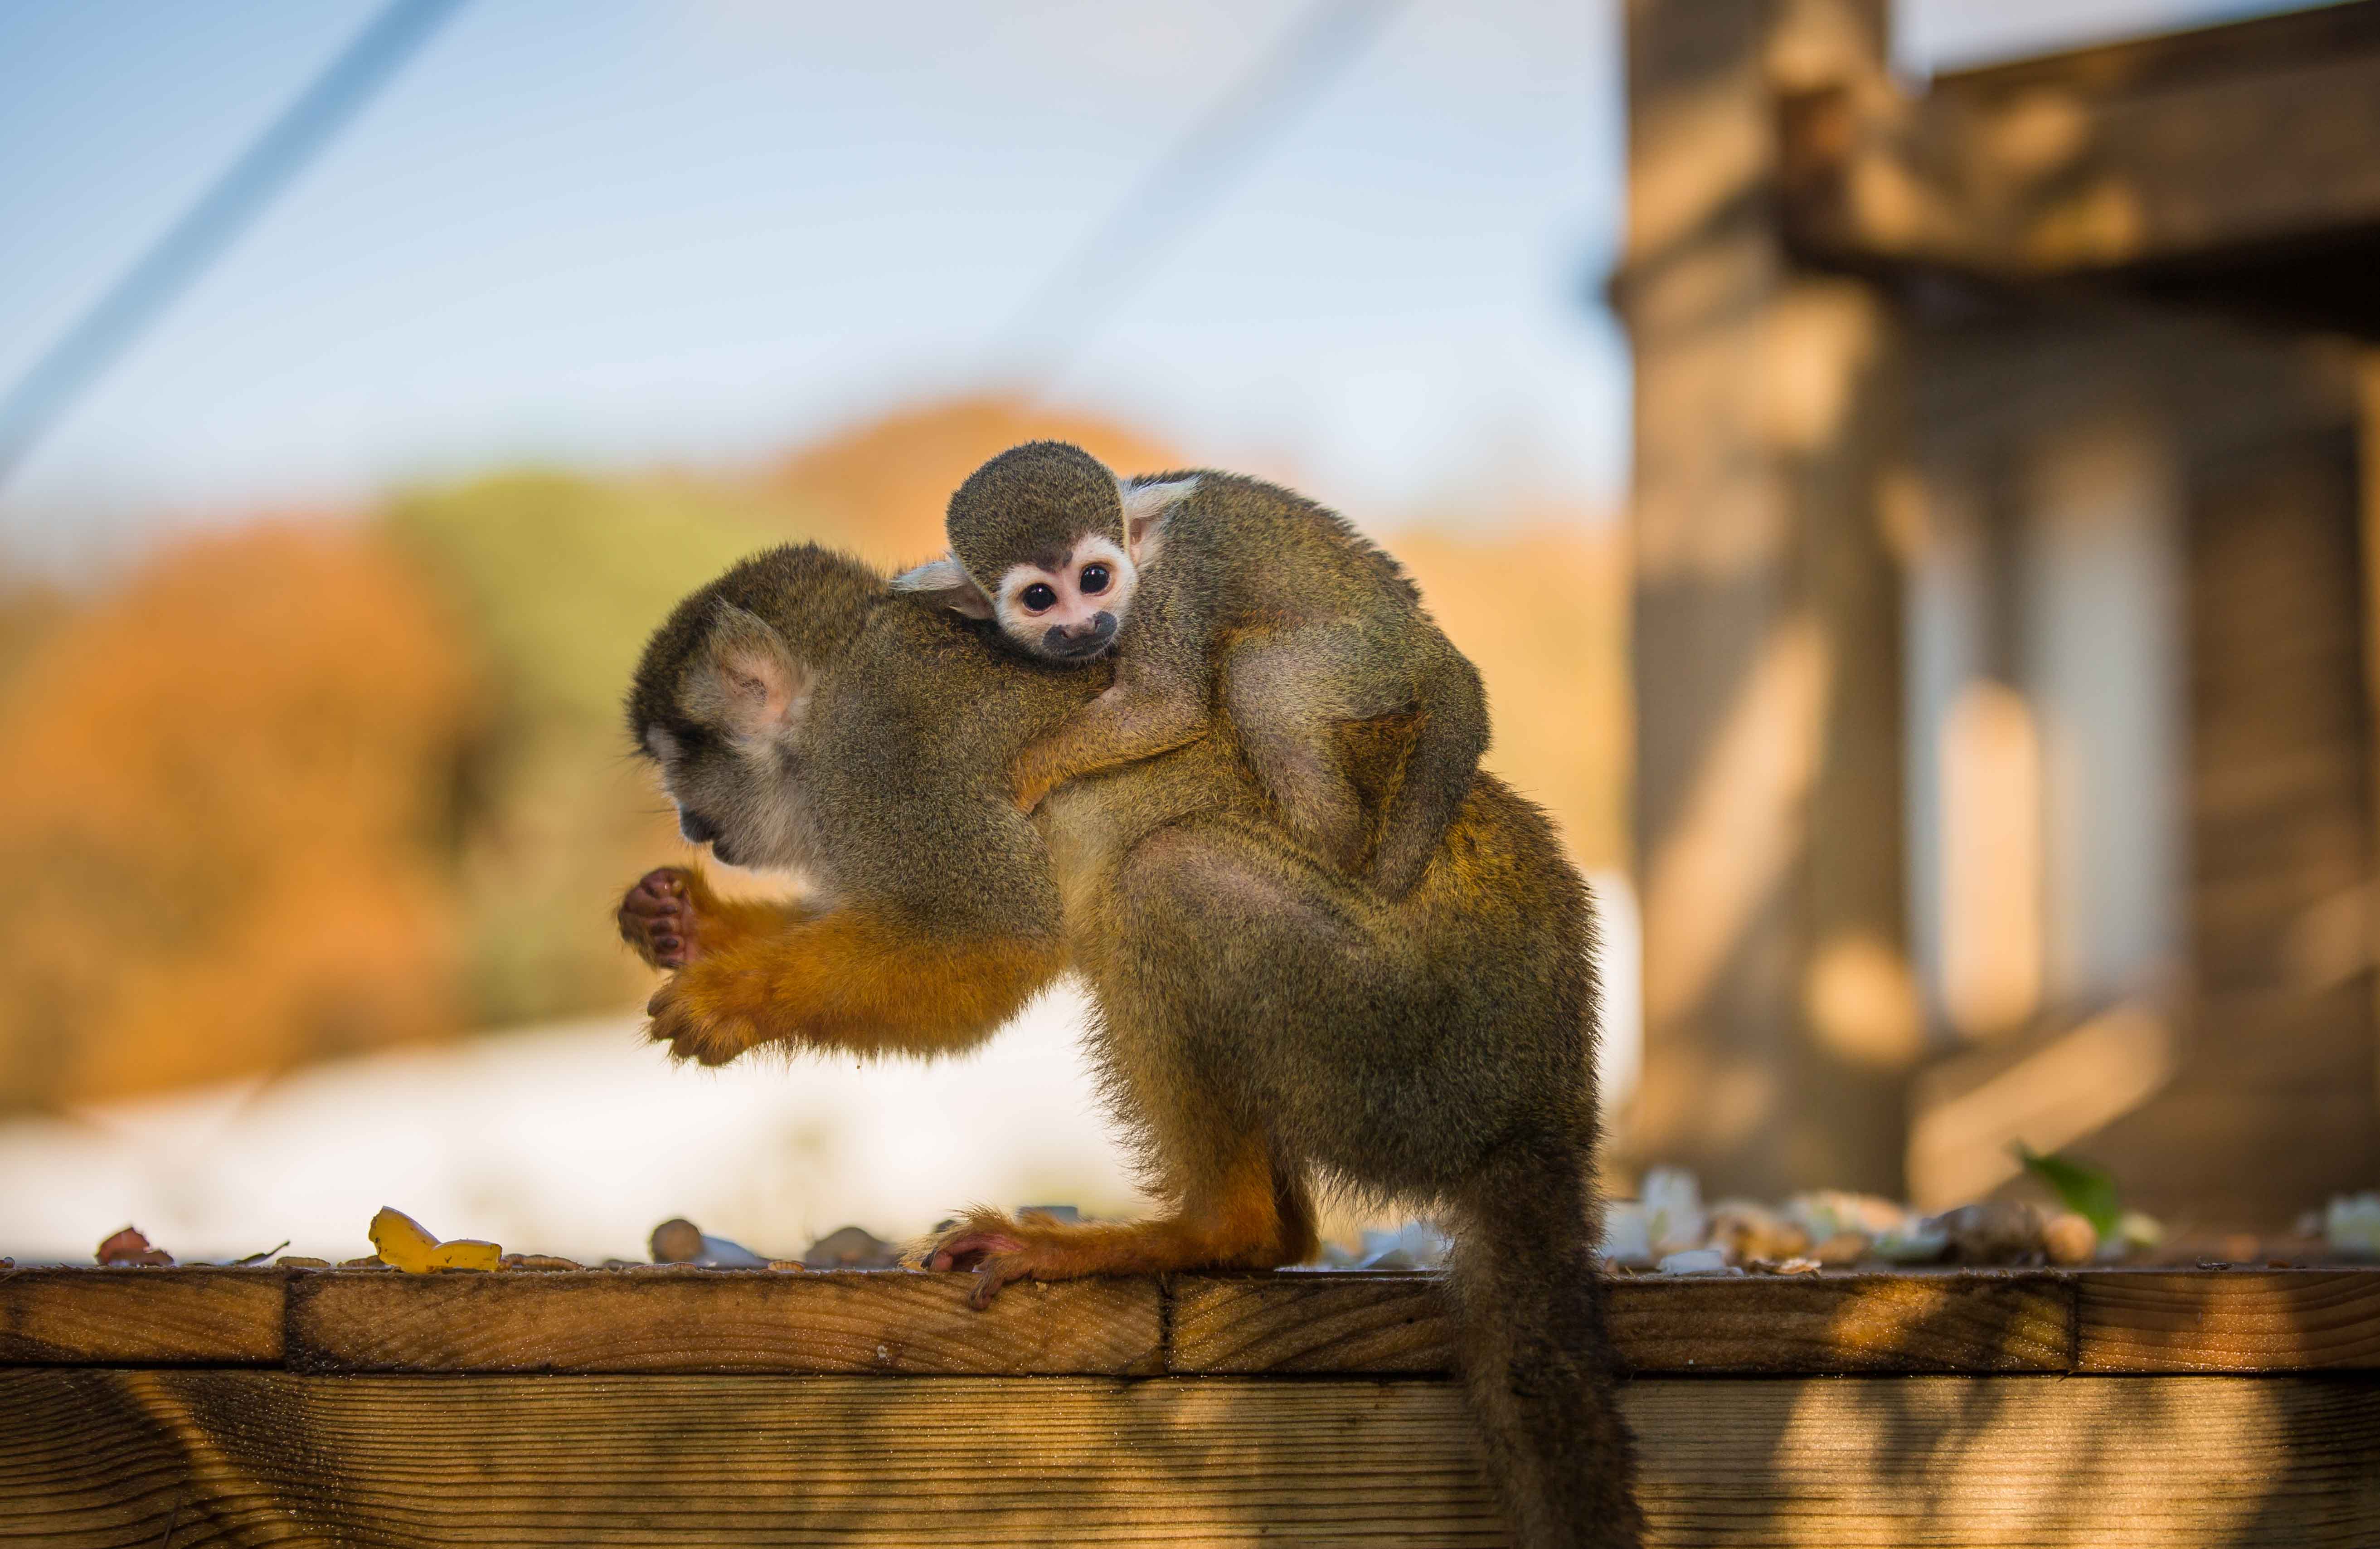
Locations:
(2367, 461)
(1780, 1020)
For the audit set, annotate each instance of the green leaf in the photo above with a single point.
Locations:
(2080, 1188)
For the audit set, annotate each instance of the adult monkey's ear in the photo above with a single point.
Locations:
(1145, 506)
(946, 581)
(746, 679)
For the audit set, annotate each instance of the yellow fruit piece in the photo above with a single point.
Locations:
(401, 1240)
(466, 1253)
(405, 1242)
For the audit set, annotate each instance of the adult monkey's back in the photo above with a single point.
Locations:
(1262, 1022)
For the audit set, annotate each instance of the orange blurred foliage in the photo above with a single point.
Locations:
(309, 787)
(225, 793)
(1542, 610)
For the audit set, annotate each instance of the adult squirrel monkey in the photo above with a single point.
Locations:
(1219, 594)
(1264, 1025)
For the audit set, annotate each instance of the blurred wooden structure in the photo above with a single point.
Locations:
(240, 1407)
(2005, 643)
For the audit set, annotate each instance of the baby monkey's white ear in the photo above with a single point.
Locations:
(946, 581)
(1145, 506)
(745, 679)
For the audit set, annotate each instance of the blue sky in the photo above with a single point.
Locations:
(628, 233)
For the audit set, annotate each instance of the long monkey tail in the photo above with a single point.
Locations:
(1538, 1361)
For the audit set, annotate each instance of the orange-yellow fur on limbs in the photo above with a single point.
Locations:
(1249, 1216)
(850, 980)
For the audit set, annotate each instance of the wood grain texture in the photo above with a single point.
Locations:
(2239, 137)
(1352, 1324)
(73, 1317)
(1368, 1325)
(710, 1321)
(2271, 1321)
(97, 1457)
(2038, 1462)
(1853, 1322)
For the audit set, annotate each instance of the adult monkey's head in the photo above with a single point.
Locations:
(721, 698)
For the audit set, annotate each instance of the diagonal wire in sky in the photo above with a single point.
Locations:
(183, 252)
(1184, 185)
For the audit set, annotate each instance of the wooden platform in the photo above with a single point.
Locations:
(237, 1406)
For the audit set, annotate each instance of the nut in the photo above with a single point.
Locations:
(2069, 1239)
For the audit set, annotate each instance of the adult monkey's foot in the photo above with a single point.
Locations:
(999, 1249)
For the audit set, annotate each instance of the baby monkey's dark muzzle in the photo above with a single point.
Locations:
(1084, 639)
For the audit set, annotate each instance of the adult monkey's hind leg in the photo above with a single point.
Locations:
(1236, 1197)
(1233, 1209)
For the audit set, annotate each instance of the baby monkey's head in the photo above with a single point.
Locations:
(1047, 541)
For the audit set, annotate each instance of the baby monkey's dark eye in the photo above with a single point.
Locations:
(1095, 578)
(1040, 596)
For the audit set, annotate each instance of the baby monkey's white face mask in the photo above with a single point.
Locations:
(1067, 605)
(1069, 611)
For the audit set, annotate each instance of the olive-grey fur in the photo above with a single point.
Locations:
(1267, 608)
(906, 806)
(1437, 1049)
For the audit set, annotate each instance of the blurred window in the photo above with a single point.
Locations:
(2046, 724)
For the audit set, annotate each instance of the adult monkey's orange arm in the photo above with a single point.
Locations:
(850, 979)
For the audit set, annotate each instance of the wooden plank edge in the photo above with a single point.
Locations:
(95, 1316)
(1983, 1322)
(2228, 1322)
(712, 1322)
(2114, 1322)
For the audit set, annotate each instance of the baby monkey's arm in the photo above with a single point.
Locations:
(848, 979)
(1140, 716)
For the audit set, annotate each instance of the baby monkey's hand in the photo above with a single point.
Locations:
(662, 916)
(1028, 797)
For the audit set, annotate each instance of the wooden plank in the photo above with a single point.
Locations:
(116, 1317)
(1852, 1323)
(2038, 1462)
(2235, 140)
(714, 1321)
(1758, 1323)
(2266, 1321)
(2172, 61)
(1356, 1324)
(1336, 1323)
(113, 1457)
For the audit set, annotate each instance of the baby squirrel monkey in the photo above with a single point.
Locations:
(1228, 600)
